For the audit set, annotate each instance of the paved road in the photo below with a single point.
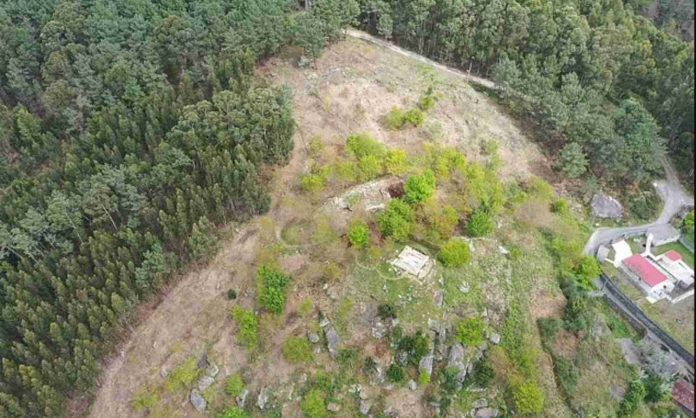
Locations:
(354, 33)
(674, 197)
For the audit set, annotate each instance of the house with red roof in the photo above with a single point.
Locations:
(683, 395)
(648, 276)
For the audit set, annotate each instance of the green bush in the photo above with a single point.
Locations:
(234, 385)
(363, 145)
(234, 412)
(483, 374)
(395, 119)
(423, 378)
(428, 100)
(369, 365)
(414, 117)
(314, 404)
(248, 322)
(560, 206)
(386, 311)
(419, 188)
(567, 374)
(359, 234)
(313, 182)
(470, 331)
(231, 294)
(395, 373)
(455, 253)
(586, 270)
(480, 224)
(633, 398)
(688, 222)
(656, 388)
(396, 220)
(297, 350)
(415, 346)
(369, 167)
(528, 398)
(396, 162)
(347, 357)
(642, 205)
(271, 289)
(548, 327)
(442, 220)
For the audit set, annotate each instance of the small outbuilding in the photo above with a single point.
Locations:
(413, 263)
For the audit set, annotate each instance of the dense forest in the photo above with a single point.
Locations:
(611, 91)
(128, 129)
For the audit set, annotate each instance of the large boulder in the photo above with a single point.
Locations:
(197, 400)
(605, 206)
(332, 340)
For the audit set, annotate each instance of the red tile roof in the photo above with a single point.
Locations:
(683, 394)
(673, 255)
(645, 270)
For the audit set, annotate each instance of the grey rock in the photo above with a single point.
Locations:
(425, 365)
(205, 382)
(480, 403)
(303, 62)
(333, 407)
(487, 413)
(605, 206)
(412, 384)
(464, 287)
(332, 341)
(313, 337)
(212, 370)
(365, 406)
(241, 399)
(494, 338)
(164, 371)
(262, 399)
(379, 329)
(324, 322)
(203, 362)
(197, 400)
(456, 355)
(439, 298)
(402, 358)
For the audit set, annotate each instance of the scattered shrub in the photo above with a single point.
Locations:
(442, 220)
(235, 412)
(396, 162)
(347, 357)
(369, 167)
(395, 220)
(369, 365)
(316, 146)
(586, 270)
(540, 188)
(305, 307)
(359, 234)
(528, 398)
(386, 311)
(297, 350)
(489, 146)
(688, 222)
(446, 161)
(231, 294)
(182, 377)
(415, 346)
(414, 117)
(234, 385)
(271, 289)
(145, 400)
(363, 145)
(633, 398)
(248, 322)
(548, 327)
(313, 182)
(656, 389)
(314, 404)
(483, 374)
(642, 205)
(470, 331)
(455, 253)
(560, 206)
(423, 378)
(395, 373)
(567, 374)
(480, 224)
(395, 119)
(419, 188)
(428, 100)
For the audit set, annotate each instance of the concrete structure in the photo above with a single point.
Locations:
(413, 263)
(621, 252)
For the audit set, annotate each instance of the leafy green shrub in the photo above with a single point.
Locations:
(428, 100)
(548, 327)
(231, 294)
(395, 220)
(395, 373)
(396, 162)
(315, 146)
(489, 146)
(305, 307)
(145, 400)
(235, 412)
(455, 253)
(419, 188)
(414, 117)
(423, 378)
(347, 357)
(539, 188)
(386, 311)
(642, 205)
(656, 388)
(480, 224)
(446, 161)
(313, 182)
(314, 404)
(369, 365)
(442, 220)
(234, 385)
(470, 331)
(560, 206)
(688, 222)
(369, 167)
(363, 145)
(586, 270)
(528, 398)
(182, 377)
(483, 373)
(271, 289)
(395, 119)
(415, 346)
(297, 350)
(617, 326)
(633, 398)
(572, 161)
(359, 234)
(248, 322)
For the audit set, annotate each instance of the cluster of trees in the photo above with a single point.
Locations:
(604, 83)
(128, 130)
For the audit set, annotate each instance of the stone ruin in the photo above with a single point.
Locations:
(413, 263)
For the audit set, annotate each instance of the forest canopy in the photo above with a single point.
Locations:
(128, 130)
